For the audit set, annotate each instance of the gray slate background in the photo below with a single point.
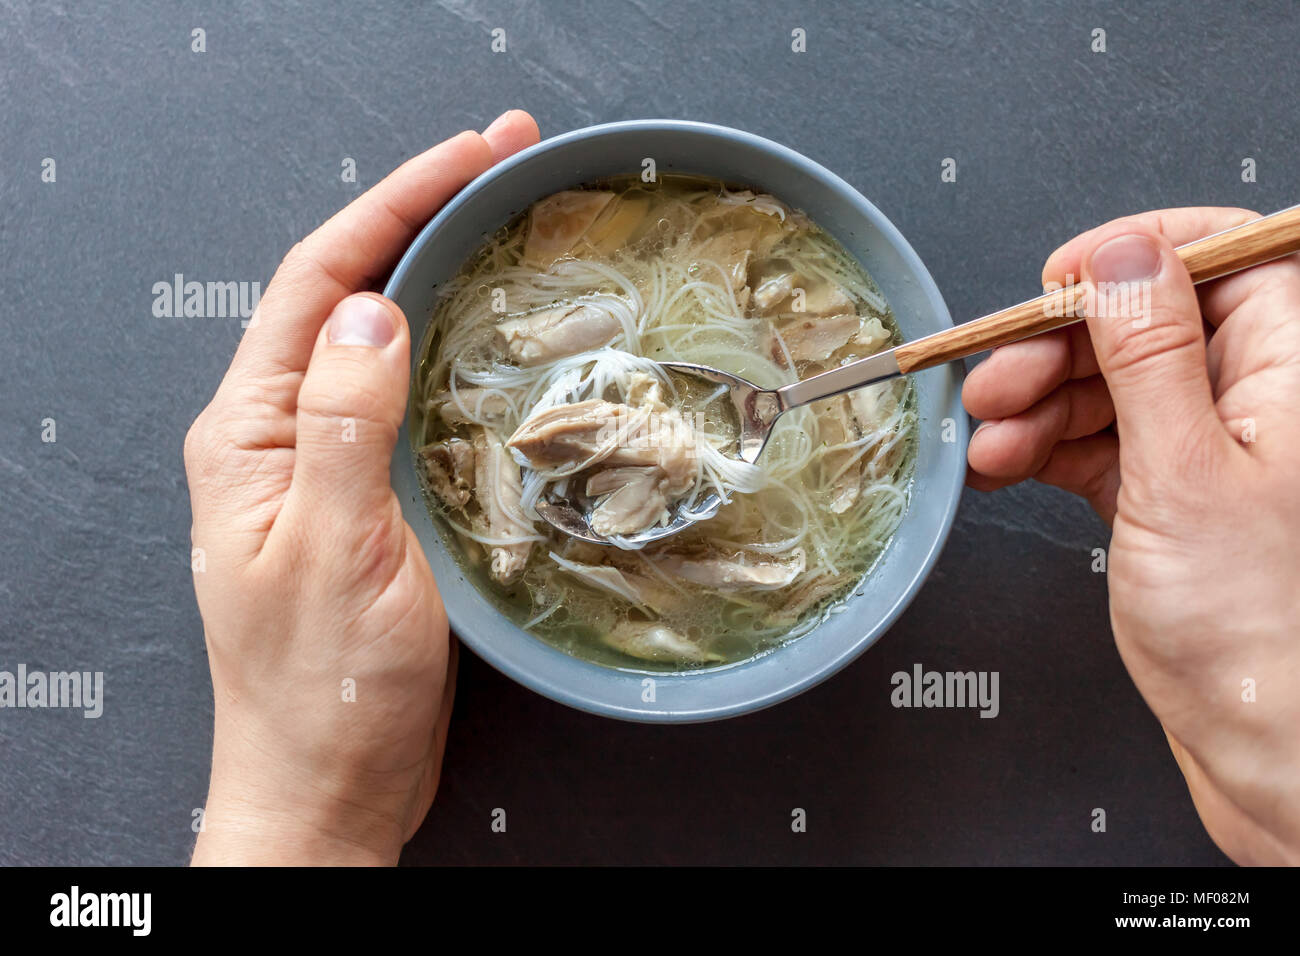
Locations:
(213, 164)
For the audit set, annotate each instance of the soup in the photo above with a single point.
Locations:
(539, 379)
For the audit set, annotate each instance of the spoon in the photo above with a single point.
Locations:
(1251, 244)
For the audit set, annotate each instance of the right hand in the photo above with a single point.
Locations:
(1190, 448)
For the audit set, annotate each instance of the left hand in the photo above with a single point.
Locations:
(312, 578)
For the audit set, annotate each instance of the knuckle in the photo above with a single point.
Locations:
(1137, 346)
(381, 550)
(348, 395)
(330, 414)
(198, 445)
(295, 260)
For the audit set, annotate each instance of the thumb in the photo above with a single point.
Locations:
(1145, 324)
(350, 407)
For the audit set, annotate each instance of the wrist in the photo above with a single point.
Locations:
(236, 833)
(265, 810)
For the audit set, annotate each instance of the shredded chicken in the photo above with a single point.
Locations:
(556, 332)
(496, 475)
(616, 226)
(815, 339)
(780, 290)
(637, 499)
(570, 437)
(484, 405)
(874, 336)
(557, 223)
(842, 465)
(449, 466)
(870, 406)
(625, 582)
(805, 595)
(736, 572)
(822, 298)
(567, 438)
(657, 642)
(849, 418)
(733, 236)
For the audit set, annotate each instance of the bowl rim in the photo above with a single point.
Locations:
(746, 703)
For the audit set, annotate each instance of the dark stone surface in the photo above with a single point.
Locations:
(213, 164)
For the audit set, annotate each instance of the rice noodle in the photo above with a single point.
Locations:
(672, 304)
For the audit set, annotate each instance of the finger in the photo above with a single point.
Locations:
(348, 254)
(1179, 226)
(1087, 467)
(1276, 280)
(1016, 448)
(510, 132)
(1145, 323)
(981, 482)
(350, 407)
(1016, 376)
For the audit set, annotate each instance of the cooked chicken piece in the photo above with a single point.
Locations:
(774, 289)
(871, 408)
(557, 223)
(449, 466)
(823, 297)
(849, 418)
(485, 405)
(581, 433)
(731, 250)
(841, 466)
(814, 339)
(564, 439)
(760, 229)
(556, 332)
(603, 577)
(809, 593)
(636, 501)
(735, 235)
(584, 552)
(873, 405)
(632, 586)
(496, 476)
(657, 642)
(617, 224)
(779, 290)
(644, 389)
(874, 336)
(655, 590)
(667, 440)
(738, 572)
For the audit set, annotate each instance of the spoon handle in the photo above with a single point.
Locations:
(1232, 250)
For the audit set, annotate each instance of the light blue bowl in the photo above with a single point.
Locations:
(727, 154)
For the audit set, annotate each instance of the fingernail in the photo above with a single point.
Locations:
(985, 424)
(1129, 258)
(361, 320)
(497, 122)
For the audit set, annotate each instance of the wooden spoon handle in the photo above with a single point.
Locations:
(1232, 250)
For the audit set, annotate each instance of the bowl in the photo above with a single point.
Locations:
(596, 152)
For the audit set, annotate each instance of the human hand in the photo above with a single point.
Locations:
(311, 577)
(1191, 450)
